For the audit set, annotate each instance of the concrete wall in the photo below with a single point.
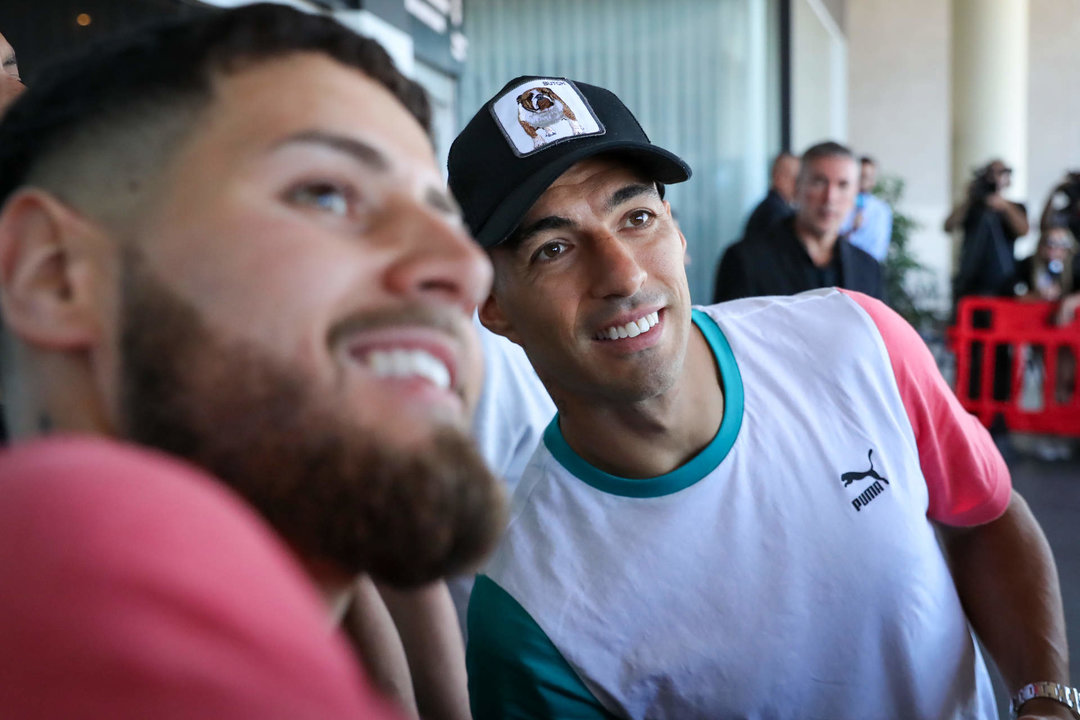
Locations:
(898, 111)
(818, 76)
(1053, 97)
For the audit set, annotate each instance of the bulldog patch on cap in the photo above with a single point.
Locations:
(542, 112)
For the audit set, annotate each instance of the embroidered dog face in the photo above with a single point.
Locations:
(538, 113)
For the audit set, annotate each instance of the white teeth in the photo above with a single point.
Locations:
(630, 329)
(408, 363)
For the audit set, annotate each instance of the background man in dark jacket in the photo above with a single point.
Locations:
(777, 205)
(805, 251)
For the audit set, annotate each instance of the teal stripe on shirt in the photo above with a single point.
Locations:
(514, 669)
(700, 465)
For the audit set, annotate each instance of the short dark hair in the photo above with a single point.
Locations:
(867, 160)
(154, 80)
(826, 149)
(823, 150)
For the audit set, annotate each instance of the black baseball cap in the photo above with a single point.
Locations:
(529, 134)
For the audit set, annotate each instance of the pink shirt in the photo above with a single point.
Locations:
(135, 586)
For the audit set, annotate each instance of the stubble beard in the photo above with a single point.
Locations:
(336, 492)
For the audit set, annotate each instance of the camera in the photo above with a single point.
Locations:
(984, 184)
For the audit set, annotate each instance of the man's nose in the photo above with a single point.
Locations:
(616, 269)
(436, 261)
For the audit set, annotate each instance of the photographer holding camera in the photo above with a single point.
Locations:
(991, 225)
(1063, 206)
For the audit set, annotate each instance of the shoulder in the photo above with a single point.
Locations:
(863, 257)
(155, 547)
(791, 315)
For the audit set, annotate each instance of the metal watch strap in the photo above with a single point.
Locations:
(1067, 696)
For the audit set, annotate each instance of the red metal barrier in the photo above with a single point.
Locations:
(984, 328)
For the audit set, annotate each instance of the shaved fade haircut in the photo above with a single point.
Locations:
(97, 128)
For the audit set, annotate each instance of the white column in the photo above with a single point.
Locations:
(989, 89)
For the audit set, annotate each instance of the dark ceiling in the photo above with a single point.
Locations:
(40, 29)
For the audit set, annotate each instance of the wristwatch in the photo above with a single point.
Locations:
(1067, 696)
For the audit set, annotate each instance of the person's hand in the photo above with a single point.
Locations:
(10, 87)
(1067, 309)
(1050, 292)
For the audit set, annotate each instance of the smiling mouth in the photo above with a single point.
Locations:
(407, 363)
(631, 329)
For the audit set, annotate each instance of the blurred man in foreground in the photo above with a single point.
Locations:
(227, 239)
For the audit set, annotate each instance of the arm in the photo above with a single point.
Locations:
(428, 627)
(1066, 311)
(1002, 566)
(1013, 214)
(956, 216)
(370, 630)
(1008, 583)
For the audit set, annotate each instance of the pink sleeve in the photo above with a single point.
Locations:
(966, 476)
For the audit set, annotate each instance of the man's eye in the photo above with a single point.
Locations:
(639, 218)
(549, 251)
(322, 196)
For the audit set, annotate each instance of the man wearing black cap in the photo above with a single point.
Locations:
(734, 512)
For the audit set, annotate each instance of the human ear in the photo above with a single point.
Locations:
(493, 318)
(45, 284)
(682, 238)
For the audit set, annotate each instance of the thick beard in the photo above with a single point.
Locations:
(335, 491)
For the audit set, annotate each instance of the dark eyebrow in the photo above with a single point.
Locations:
(357, 149)
(551, 222)
(556, 222)
(628, 193)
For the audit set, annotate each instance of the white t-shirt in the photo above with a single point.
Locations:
(512, 412)
(789, 570)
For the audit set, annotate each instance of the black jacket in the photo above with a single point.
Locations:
(778, 264)
(770, 210)
(987, 265)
